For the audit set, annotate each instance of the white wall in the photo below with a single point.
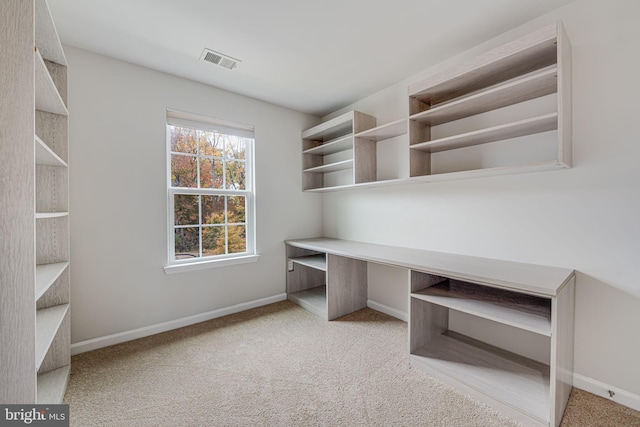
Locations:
(585, 218)
(118, 197)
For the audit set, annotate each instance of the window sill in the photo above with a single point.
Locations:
(202, 265)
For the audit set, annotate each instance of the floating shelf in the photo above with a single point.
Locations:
(529, 87)
(46, 156)
(534, 125)
(521, 311)
(52, 385)
(337, 145)
(332, 167)
(48, 321)
(47, 96)
(319, 262)
(336, 127)
(46, 275)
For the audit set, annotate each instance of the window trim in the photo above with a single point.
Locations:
(174, 118)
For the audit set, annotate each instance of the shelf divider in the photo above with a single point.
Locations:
(332, 167)
(46, 275)
(337, 145)
(47, 96)
(319, 262)
(46, 156)
(314, 300)
(48, 215)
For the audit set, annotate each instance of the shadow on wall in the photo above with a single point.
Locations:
(602, 352)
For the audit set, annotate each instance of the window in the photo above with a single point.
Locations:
(210, 190)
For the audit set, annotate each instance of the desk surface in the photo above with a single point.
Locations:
(529, 278)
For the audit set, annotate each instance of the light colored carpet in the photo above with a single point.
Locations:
(277, 365)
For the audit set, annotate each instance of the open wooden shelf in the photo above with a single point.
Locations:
(332, 167)
(48, 321)
(319, 262)
(46, 35)
(519, 310)
(46, 275)
(314, 300)
(48, 215)
(48, 98)
(386, 131)
(513, 380)
(544, 123)
(531, 86)
(52, 385)
(337, 145)
(45, 155)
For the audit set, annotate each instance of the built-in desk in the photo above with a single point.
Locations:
(329, 278)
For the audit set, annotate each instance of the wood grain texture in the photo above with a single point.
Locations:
(362, 122)
(319, 262)
(46, 275)
(58, 74)
(365, 161)
(46, 35)
(526, 54)
(337, 145)
(52, 240)
(52, 385)
(331, 167)
(529, 126)
(47, 96)
(48, 322)
(313, 300)
(346, 286)
(17, 204)
(52, 189)
(46, 156)
(331, 129)
(303, 277)
(386, 131)
(521, 89)
(57, 293)
(522, 311)
(54, 131)
(426, 322)
(562, 350)
(420, 161)
(565, 96)
(520, 277)
(59, 352)
(505, 377)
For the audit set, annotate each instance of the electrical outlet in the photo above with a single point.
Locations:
(289, 265)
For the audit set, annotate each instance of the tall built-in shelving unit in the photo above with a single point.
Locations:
(512, 105)
(35, 327)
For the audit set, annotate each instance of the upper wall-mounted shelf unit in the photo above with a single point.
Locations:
(531, 67)
(511, 105)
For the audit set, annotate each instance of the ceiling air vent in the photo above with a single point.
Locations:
(219, 59)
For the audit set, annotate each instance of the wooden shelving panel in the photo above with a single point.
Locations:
(386, 131)
(545, 123)
(319, 262)
(46, 156)
(47, 96)
(49, 215)
(313, 300)
(331, 167)
(337, 145)
(52, 385)
(46, 275)
(48, 321)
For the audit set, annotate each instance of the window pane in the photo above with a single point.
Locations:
(236, 206)
(184, 171)
(211, 173)
(235, 147)
(183, 140)
(186, 209)
(210, 144)
(235, 174)
(213, 241)
(212, 210)
(237, 239)
(187, 242)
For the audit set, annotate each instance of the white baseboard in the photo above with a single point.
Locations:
(598, 388)
(393, 312)
(120, 337)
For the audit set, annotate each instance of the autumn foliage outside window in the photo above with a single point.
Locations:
(210, 192)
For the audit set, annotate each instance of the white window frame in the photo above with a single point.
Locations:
(199, 122)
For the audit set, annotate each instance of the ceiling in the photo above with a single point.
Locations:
(311, 56)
